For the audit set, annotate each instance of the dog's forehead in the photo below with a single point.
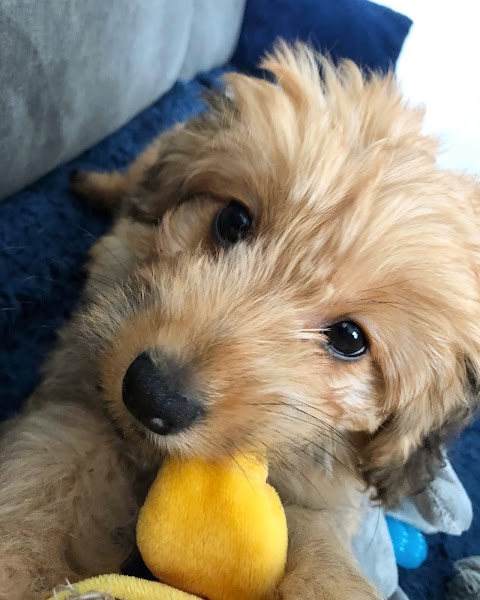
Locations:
(318, 153)
(338, 176)
(381, 223)
(345, 197)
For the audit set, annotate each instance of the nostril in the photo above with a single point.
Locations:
(150, 394)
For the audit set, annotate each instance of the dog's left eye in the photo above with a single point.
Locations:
(232, 224)
(346, 340)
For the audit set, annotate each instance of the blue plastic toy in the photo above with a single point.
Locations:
(409, 544)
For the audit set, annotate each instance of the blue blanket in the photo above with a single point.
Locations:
(45, 232)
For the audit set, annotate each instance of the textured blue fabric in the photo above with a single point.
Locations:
(45, 233)
(370, 34)
(428, 581)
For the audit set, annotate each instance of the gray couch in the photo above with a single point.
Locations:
(73, 71)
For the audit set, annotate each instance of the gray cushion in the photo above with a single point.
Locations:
(73, 71)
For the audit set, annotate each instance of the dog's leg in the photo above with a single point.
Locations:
(319, 565)
(67, 505)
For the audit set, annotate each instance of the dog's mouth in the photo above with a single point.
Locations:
(163, 407)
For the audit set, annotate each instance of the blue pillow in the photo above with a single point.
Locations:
(367, 33)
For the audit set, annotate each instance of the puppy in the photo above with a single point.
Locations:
(289, 272)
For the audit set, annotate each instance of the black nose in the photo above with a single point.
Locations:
(154, 392)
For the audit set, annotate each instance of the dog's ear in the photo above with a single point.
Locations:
(175, 174)
(403, 455)
(158, 179)
(399, 461)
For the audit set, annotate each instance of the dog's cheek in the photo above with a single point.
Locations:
(357, 389)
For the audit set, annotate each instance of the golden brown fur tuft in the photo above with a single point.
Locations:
(352, 221)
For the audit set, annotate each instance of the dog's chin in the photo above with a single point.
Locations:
(189, 444)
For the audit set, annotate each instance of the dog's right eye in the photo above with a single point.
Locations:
(232, 224)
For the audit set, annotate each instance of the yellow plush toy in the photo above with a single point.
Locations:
(214, 530)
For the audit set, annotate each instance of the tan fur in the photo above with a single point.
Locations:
(353, 220)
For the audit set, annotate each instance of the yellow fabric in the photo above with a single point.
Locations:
(216, 530)
(123, 587)
(222, 531)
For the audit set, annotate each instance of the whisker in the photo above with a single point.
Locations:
(323, 450)
(5, 248)
(378, 508)
(99, 241)
(345, 442)
(57, 281)
(387, 285)
(318, 409)
(238, 464)
(310, 456)
(289, 465)
(83, 273)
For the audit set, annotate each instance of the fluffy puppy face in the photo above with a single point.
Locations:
(313, 272)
